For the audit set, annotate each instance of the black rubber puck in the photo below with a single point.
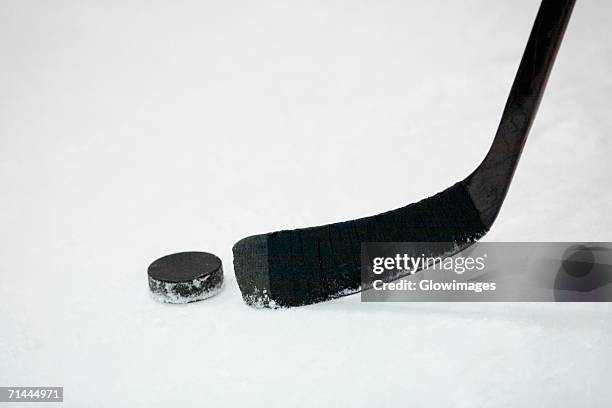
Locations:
(185, 277)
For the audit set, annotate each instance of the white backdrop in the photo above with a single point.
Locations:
(133, 129)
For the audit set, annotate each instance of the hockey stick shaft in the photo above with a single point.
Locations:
(489, 184)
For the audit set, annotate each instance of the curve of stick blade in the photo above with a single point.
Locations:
(310, 265)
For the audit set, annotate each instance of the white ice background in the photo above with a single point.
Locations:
(134, 129)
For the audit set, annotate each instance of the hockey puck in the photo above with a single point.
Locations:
(185, 277)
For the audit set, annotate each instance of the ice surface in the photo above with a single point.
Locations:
(133, 129)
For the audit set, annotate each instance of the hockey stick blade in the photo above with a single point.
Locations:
(309, 265)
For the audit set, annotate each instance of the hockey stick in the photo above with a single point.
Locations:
(309, 265)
